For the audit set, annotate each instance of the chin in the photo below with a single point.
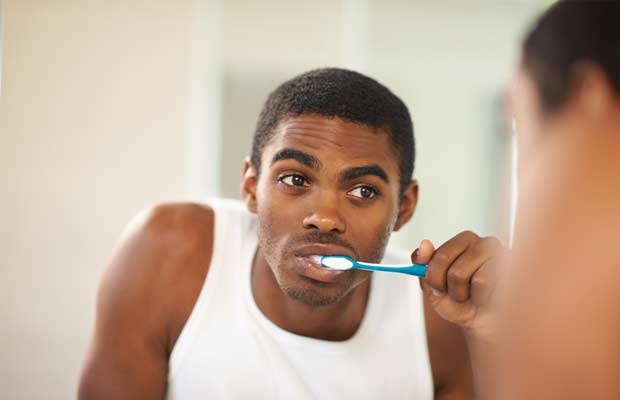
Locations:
(318, 294)
(314, 297)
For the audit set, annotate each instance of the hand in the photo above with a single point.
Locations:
(461, 277)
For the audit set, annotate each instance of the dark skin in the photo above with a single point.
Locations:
(343, 199)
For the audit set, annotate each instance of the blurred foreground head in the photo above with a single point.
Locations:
(570, 67)
(558, 302)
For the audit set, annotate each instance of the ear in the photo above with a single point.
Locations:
(248, 185)
(407, 205)
(593, 90)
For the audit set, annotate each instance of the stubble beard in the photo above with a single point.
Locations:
(295, 290)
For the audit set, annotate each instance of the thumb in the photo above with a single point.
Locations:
(423, 254)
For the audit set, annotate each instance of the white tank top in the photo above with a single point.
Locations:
(228, 349)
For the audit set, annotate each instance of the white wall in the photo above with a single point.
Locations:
(93, 122)
(449, 61)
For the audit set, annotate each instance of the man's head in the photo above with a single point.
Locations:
(570, 67)
(348, 95)
(330, 173)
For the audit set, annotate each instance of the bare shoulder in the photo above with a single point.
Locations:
(145, 297)
(177, 221)
(164, 257)
(449, 357)
(181, 236)
(171, 245)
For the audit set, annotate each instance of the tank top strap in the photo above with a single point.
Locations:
(234, 238)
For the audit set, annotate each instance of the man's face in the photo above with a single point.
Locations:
(326, 187)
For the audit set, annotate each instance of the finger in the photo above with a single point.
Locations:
(443, 258)
(428, 290)
(423, 254)
(484, 282)
(466, 266)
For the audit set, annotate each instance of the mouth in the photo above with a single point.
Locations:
(319, 249)
(307, 262)
(310, 268)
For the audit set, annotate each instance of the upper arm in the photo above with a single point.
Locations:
(448, 356)
(560, 310)
(144, 297)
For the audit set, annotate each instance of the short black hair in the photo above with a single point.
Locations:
(345, 94)
(568, 33)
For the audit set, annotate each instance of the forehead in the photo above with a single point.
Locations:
(333, 140)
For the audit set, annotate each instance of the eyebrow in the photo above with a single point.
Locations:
(357, 172)
(347, 175)
(299, 156)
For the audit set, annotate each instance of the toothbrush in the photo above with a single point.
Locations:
(344, 263)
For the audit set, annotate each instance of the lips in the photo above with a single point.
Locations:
(324, 250)
(309, 268)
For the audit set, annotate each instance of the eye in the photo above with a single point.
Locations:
(293, 180)
(364, 192)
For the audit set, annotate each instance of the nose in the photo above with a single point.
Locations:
(325, 216)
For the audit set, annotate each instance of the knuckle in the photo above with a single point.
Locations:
(435, 281)
(468, 234)
(460, 296)
(441, 258)
(478, 282)
(487, 246)
(491, 241)
(480, 248)
(456, 277)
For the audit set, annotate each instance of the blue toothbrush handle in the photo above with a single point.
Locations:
(416, 270)
(413, 269)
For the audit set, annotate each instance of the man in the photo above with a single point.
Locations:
(223, 300)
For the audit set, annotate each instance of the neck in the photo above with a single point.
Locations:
(336, 322)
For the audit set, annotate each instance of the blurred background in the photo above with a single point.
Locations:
(108, 107)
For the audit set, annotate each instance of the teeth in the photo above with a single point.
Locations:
(316, 259)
